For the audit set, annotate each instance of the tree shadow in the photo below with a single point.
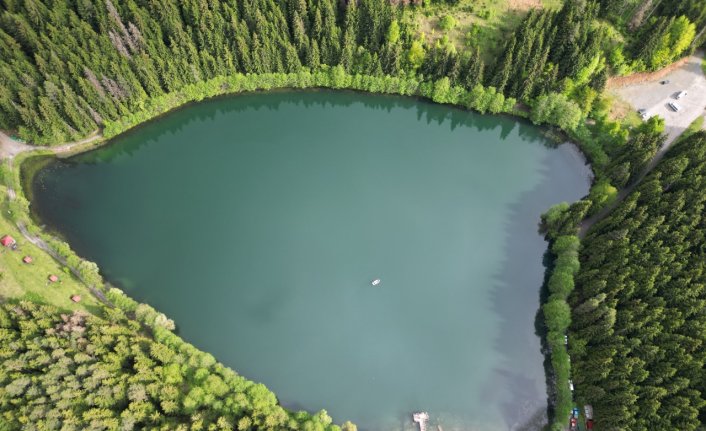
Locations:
(520, 289)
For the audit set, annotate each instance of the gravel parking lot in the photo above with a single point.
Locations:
(654, 97)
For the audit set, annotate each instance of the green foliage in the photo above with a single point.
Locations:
(98, 373)
(416, 55)
(602, 194)
(447, 22)
(86, 270)
(629, 160)
(122, 301)
(696, 126)
(393, 33)
(145, 57)
(556, 109)
(554, 216)
(557, 316)
(663, 40)
(480, 98)
(550, 47)
(442, 91)
(70, 68)
(637, 328)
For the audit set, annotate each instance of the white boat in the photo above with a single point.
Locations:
(376, 282)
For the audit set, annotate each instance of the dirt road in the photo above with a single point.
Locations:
(654, 97)
(9, 148)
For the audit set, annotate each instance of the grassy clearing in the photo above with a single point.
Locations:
(695, 126)
(19, 280)
(622, 111)
(486, 23)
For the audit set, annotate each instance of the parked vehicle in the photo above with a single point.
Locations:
(588, 411)
(681, 94)
(643, 113)
(674, 106)
(575, 412)
(571, 385)
(573, 424)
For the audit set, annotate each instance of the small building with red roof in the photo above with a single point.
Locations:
(76, 298)
(27, 259)
(7, 241)
(53, 278)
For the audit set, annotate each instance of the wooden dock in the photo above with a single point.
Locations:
(421, 418)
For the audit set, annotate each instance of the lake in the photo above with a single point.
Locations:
(258, 222)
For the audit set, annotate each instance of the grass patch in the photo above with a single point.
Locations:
(19, 280)
(552, 4)
(485, 23)
(694, 127)
(621, 110)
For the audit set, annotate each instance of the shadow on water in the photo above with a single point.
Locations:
(514, 296)
(520, 289)
(180, 118)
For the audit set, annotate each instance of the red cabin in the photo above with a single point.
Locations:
(27, 259)
(53, 278)
(7, 241)
(75, 298)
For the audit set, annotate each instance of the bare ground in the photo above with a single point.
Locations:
(649, 94)
(638, 78)
(524, 4)
(9, 148)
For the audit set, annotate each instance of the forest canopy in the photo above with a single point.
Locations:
(638, 323)
(69, 67)
(82, 372)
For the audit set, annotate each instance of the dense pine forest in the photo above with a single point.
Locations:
(75, 371)
(639, 322)
(68, 67)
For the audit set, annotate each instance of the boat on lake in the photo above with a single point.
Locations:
(376, 282)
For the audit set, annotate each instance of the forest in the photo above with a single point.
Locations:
(76, 371)
(638, 324)
(69, 67)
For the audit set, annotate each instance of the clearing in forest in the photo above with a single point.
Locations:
(485, 23)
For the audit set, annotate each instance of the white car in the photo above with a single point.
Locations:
(674, 106)
(681, 94)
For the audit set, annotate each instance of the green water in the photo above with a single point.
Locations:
(258, 222)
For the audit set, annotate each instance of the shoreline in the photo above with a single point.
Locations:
(29, 226)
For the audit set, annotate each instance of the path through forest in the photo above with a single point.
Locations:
(9, 148)
(689, 76)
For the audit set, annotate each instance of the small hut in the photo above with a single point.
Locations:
(7, 241)
(27, 259)
(53, 278)
(76, 298)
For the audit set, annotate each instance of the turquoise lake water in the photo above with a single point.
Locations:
(257, 223)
